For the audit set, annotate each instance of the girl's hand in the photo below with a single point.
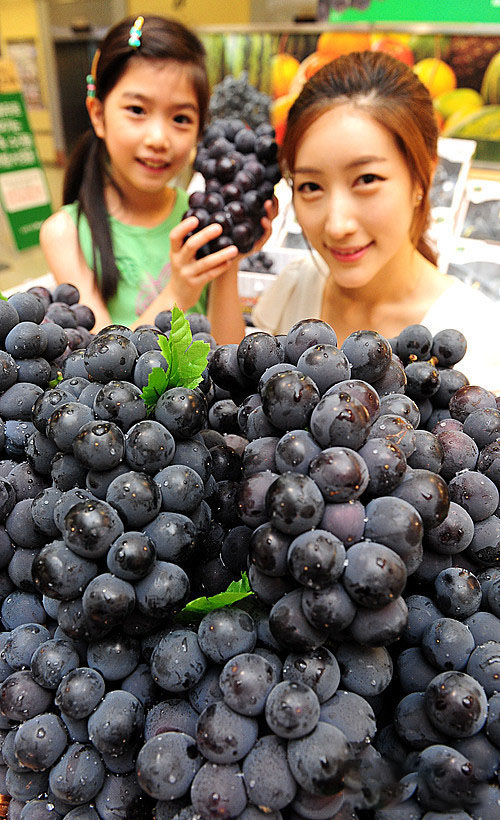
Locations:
(189, 275)
(271, 208)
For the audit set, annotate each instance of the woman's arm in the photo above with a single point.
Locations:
(61, 248)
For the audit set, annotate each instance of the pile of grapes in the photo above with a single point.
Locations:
(357, 487)
(235, 97)
(240, 169)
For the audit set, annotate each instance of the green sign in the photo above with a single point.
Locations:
(421, 11)
(24, 194)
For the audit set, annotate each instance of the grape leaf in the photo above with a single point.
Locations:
(186, 361)
(58, 378)
(236, 591)
(4, 298)
(157, 384)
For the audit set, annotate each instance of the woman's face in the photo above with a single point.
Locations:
(353, 196)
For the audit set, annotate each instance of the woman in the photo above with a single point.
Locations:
(360, 150)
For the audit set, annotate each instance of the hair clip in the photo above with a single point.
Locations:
(90, 85)
(136, 33)
(91, 78)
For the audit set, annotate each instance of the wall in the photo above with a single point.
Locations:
(19, 21)
(196, 12)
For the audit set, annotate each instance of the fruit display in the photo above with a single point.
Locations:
(240, 168)
(247, 580)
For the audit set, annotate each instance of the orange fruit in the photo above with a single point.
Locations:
(342, 42)
(395, 48)
(436, 75)
(283, 69)
(314, 62)
(279, 113)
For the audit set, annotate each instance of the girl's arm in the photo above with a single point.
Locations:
(189, 275)
(61, 248)
(224, 308)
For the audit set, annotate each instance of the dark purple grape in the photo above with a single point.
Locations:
(456, 704)
(340, 473)
(294, 503)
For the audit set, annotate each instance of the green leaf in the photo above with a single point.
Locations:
(186, 360)
(58, 378)
(236, 591)
(157, 384)
(4, 298)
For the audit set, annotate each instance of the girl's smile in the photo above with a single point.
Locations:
(149, 122)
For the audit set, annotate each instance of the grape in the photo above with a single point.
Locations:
(120, 402)
(110, 356)
(329, 609)
(318, 760)
(117, 723)
(258, 351)
(245, 682)
(456, 704)
(131, 556)
(458, 592)
(25, 785)
(182, 411)
(59, 573)
(136, 497)
(428, 493)
(65, 422)
(218, 790)
(447, 643)
(386, 465)
(460, 452)
(114, 656)
(448, 347)
(470, 398)
(365, 671)
(294, 503)
(90, 527)
(288, 399)
(316, 559)
(40, 741)
(167, 764)
(292, 710)
(414, 343)
(353, 715)
(374, 574)
(149, 447)
(224, 633)
(51, 661)
(369, 354)
(340, 473)
(99, 445)
(78, 776)
(26, 340)
(223, 735)
(448, 775)
(289, 625)
(340, 419)
(17, 402)
(177, 662)
(268, 778)
(21, 698)
(162, 591)
(108, 600)
(476, 493)
(79, 692)
(20, 608)
(22, 642)
(251, 498)
(483, 665)
(172, 715)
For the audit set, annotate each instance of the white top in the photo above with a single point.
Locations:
(297, 293)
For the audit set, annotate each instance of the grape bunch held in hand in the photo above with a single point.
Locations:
(240, 169)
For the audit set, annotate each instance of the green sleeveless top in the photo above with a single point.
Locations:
(142, 257)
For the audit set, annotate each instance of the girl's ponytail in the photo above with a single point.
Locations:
(84, 183)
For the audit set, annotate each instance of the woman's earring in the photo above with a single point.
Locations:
(419, 198)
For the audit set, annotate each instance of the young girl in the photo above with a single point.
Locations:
(360, 150)
(119, 236)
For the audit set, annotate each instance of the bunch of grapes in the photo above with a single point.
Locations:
(358, 487)
(236, 98)
(240, 169)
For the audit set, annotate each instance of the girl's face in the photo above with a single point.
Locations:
(353, 196)
(149, 122)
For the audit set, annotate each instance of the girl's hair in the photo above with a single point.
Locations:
(86, 173)
(390, 92)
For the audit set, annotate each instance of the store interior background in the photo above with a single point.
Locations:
(64, 45)
(62, 35)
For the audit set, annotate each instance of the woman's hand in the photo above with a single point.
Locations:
(189, 275)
